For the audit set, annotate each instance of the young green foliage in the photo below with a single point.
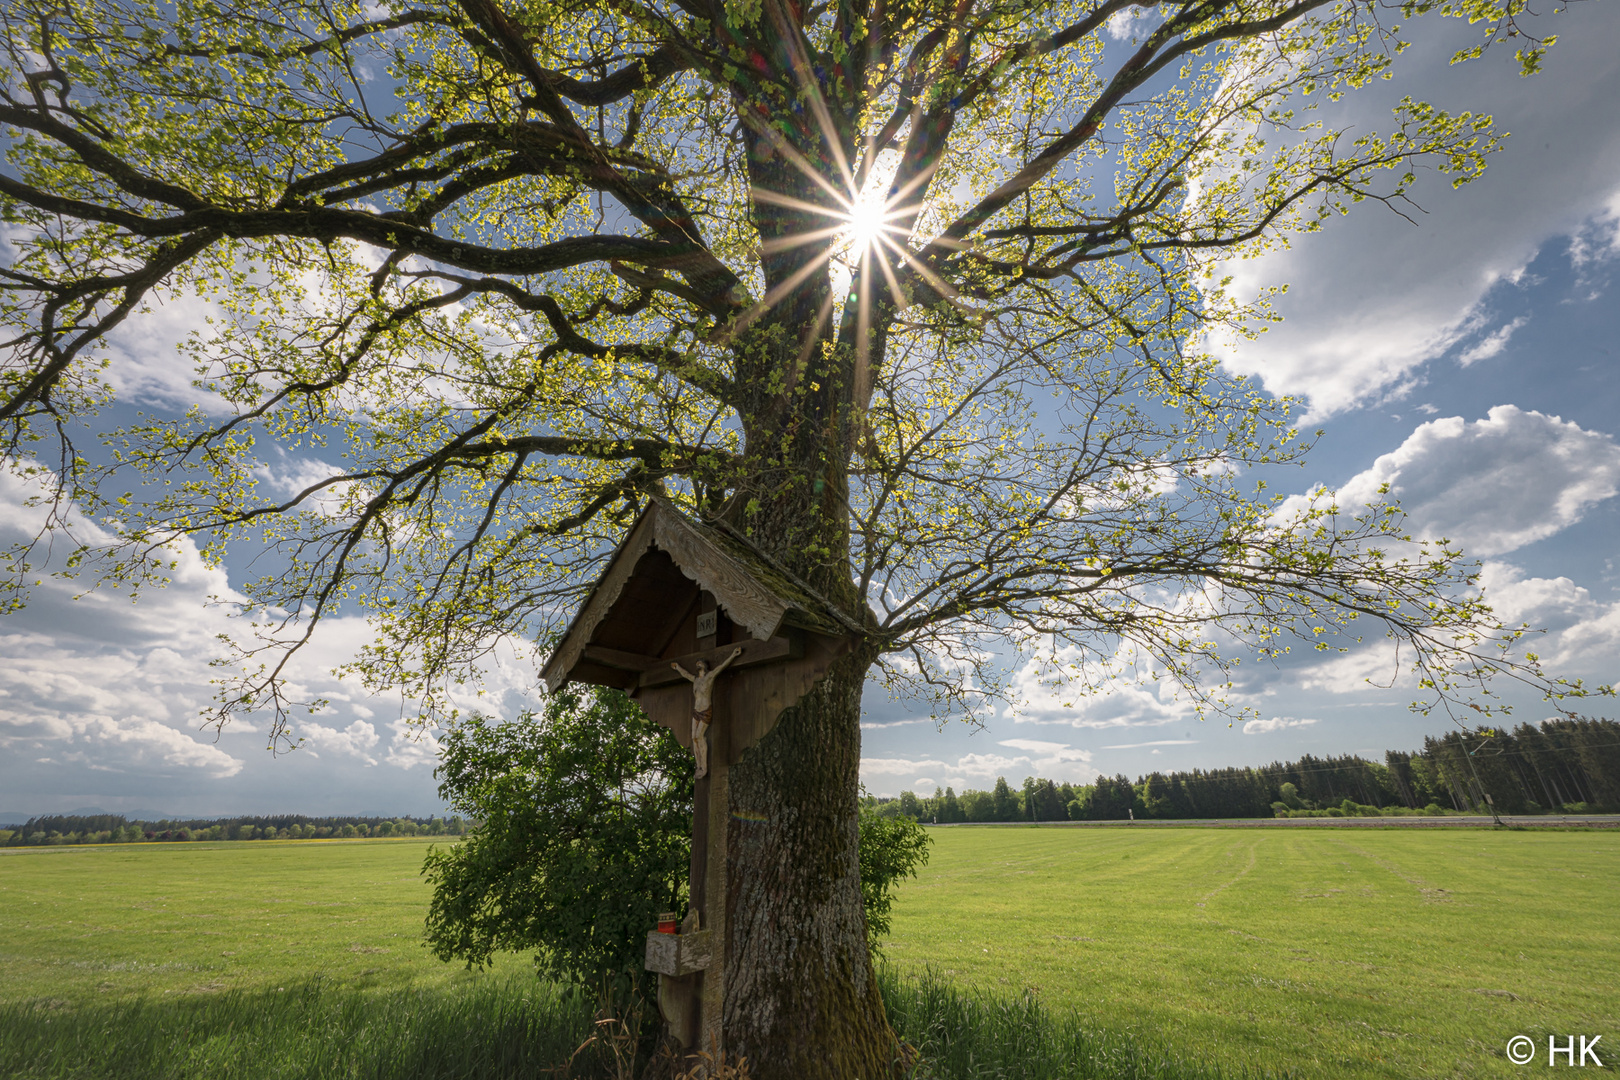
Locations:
(584, 836)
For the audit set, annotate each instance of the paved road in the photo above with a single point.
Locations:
(1542, 821)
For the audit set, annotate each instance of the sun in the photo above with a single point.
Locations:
(868, 219)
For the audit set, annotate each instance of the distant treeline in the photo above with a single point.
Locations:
(1568, 766)
(114, 829)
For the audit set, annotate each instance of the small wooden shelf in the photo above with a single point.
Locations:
(679, 954)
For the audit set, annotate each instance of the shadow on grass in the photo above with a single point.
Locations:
(970, 1034)
(511, 1027)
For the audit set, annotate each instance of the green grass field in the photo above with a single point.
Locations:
(1149, 953)
(83, 924)
(1373, 953)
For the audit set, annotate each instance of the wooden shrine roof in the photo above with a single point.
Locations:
(656, 574)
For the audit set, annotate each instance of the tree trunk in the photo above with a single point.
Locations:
(801, 996)
(802, 1000)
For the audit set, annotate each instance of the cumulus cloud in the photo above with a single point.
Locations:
(1051, 758)
(1371, 297)
(988, 765)
(1583, 633)
(1581, 639)
(1492, 485)
(1135, 697)
(356, 740)
(1599, 240)
(412, 747)
(1372, 666)
(1059, 761)
(1132, 22)
(1276, 723)
(97, 685)
(140, 744)
(143, 365)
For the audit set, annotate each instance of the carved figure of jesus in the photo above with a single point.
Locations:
(703, 705)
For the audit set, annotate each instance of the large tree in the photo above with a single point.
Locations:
(910, 294)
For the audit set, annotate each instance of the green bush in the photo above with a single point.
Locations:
(586, 837)
(892, 848)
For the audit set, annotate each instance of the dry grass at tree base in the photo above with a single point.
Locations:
(1019, 954)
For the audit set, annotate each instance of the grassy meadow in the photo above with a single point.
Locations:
(119, 921)
(1373, 953)
(1018, 954)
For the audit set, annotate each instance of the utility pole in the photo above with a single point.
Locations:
(1468, 755)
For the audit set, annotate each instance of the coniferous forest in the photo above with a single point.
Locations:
(1568, 766)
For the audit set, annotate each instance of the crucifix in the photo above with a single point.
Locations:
(703, 705)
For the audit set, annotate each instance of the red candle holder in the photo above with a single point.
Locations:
(666, 923)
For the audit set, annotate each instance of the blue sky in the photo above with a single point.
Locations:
(1471, 358)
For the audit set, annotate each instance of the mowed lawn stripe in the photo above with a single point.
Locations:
(1386, 953)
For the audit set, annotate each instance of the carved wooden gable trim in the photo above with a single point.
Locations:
(747, 601)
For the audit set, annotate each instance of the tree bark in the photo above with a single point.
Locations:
(802, 1000)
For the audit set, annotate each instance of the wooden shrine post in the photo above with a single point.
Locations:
(677, 591)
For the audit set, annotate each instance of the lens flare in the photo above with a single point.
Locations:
(868, 218)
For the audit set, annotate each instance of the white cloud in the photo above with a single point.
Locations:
(148, 745)
(1051, 693)
(1372, 297)
(1375, 666)
(1155, 742)
(1599, 240)
(356, 740)
(896, 766)
(987, 765)
(1035, 745)
(1052, 759)
(1276, 723)
(1132, 22)
(877, 725)
(1493, 344)
(1492, 485)
(101, 685)
(1583, 634)
(1058, 761)
(144, 363)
